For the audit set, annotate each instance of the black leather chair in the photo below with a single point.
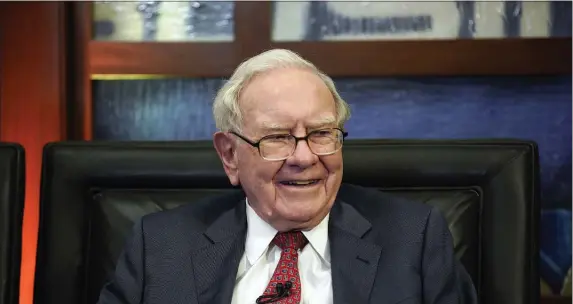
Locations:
(93, 192)
(12, 181)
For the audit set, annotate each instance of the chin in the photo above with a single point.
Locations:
(301, 213)
(300, 217)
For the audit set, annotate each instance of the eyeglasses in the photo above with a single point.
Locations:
(277, 147)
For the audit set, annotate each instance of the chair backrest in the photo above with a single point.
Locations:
(12, 181)
(93, 192)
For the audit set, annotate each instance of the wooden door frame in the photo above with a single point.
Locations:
(33, 95)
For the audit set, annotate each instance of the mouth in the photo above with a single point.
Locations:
(300, 183)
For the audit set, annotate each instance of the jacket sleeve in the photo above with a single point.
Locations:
(445, 281)
(127, 283)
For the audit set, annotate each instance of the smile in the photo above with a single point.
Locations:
(300, 183)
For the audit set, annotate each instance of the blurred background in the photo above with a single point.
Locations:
(149, 70)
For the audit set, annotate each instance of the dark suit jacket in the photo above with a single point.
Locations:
(383, 250)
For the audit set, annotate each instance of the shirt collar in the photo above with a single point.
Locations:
(260, 234)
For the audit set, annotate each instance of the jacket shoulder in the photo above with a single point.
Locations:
(387, 212)
(195, 215)
(370, 199)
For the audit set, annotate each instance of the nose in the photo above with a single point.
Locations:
(302, 156)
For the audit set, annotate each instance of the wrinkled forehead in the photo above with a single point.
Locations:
(283, 99)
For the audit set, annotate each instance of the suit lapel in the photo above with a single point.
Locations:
(354, 259)
(216, 260)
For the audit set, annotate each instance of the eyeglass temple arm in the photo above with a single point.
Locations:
(254, 144)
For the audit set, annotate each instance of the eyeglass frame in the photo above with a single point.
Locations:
(257, 144)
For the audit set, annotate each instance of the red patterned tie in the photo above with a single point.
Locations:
(287, 269)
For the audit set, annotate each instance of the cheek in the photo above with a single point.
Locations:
(258, 184)
(333, 164)
(258, 173)
(334, 167)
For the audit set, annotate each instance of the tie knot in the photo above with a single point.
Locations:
(292, 239)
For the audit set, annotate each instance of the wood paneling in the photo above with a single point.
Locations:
(549, 56)
(439, 57)
(171, 58)
(32, 101)
(252, 28)
(80, 120)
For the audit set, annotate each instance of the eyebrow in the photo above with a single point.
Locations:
(268, 126)
(271, 126)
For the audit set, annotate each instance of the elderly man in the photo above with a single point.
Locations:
(294, 234)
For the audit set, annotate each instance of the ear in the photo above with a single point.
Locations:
(226, 148)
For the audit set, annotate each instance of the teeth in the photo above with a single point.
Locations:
(298, 183)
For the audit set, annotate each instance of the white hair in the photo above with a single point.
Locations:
(226, 111)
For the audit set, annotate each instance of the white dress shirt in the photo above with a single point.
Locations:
(261, 258)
